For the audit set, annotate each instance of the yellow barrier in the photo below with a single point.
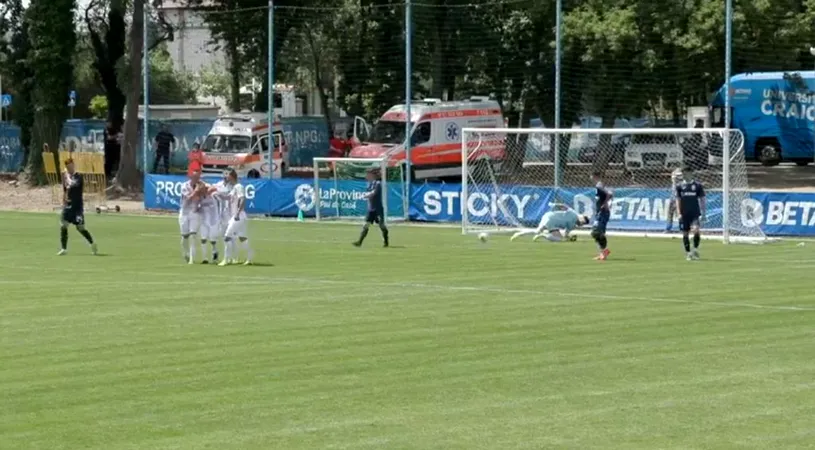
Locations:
(91, 165)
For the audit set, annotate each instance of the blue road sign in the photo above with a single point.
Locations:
(72, 95)
(5, 100)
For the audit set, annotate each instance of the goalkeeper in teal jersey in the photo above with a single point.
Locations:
(560, 218)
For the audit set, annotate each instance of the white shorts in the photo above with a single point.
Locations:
(210, 228)
(544, 223)
(237, 228)
(189, 223)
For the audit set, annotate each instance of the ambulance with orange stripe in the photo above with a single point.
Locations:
(435, 136)
(241, 141)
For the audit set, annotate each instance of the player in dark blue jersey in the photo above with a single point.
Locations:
(73, 209)
(602, 214)
(376, 210)
(690, 203)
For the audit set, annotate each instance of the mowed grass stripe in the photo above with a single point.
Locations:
(445, 344)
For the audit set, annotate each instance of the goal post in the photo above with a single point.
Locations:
(340, 185)
(542, 167)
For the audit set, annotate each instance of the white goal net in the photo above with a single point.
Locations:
(340, 185)
(542, 167)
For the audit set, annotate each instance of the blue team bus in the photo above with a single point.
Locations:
(776, 113)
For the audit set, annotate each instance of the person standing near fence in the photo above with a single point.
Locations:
(113, 148)
(163, 145)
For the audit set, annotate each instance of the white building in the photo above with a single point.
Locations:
(190, 48)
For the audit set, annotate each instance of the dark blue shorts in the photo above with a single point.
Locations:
(601, 219)
(688, 221)
(73, 216)
(374, 216)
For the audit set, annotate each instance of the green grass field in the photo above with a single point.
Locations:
(438, 343)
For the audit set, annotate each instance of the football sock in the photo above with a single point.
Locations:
(192, 249)
(87, 235)
(696, 239)
(227, 249)
(185, 246)
(248, 248)
(384, 233)
(686, 242)
(363, 233)
(214, 246)
(204, 248)
(602, 242)
(63, 238)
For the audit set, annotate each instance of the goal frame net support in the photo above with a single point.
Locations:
(358, 168)
(498, 189)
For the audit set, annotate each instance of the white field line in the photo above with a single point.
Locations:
(447, 288)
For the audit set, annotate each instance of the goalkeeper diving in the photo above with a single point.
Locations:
(552, 222)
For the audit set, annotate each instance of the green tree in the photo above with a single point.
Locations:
(127, 177)
(19, 75)
(53, 40)
(616, 61)
(240, 28)
(213, 81)
(106, 26)
(99, 107)
(169, 86)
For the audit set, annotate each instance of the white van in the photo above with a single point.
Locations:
(242, 142)
(435, 134)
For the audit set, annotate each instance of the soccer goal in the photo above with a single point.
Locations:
(340, 185)
(542, 167)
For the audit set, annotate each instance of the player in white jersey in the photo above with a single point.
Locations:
(560, 218)
(210, 227)
(221, 195)
(189, 216)
(237, 228)
(220, 192)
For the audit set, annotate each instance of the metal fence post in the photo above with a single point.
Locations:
(270, 93)
(558, 69)
(146, 88)
(408, 90)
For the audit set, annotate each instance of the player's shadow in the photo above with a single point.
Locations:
(397, 246)
(624, 258)
(261, 264)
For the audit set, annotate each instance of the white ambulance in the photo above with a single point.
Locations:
(435, 136)
(241, 141)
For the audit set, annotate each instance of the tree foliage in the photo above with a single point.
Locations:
(621, 58)
(52, 37)
(17, 70)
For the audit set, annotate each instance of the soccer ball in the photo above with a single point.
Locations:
(482, 237)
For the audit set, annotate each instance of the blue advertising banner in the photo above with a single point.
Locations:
(307, 138)
(281, 197)
(11, 152)
(780, 213)
(631, 209)
(777, 214)
(89, 135)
